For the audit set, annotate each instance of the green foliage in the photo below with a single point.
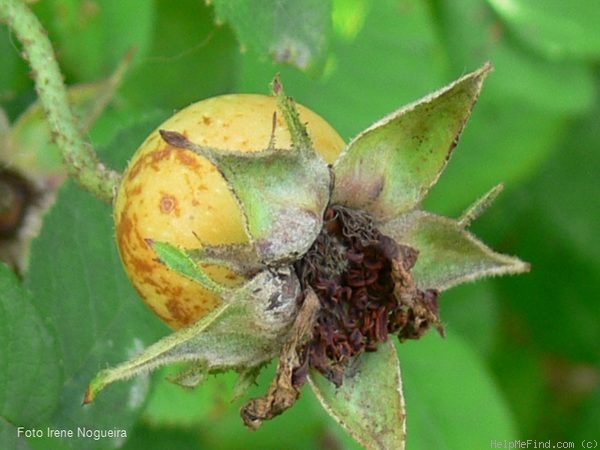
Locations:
(185, 45)
(104, 29)
(513, 362)
(13, 76)
(438, 373)
(560, 30)
(286, 30)
(29, 355)
(91, 311)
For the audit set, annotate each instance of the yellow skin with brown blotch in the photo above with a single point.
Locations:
(173, 195)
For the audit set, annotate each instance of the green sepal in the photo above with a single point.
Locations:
(240, 258)
(181, 262)
(298, 132)
(448, 254)
(282, 193)
(479, 206)
(389, 168)
(167, 350)
(245, 331)
(369, 404)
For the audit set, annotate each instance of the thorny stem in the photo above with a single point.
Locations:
(78, 154)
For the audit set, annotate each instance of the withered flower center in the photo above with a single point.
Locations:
(366, 292)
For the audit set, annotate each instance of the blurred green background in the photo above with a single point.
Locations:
(522, 356)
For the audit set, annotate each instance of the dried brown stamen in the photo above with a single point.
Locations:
(366, 292)
(358, 290)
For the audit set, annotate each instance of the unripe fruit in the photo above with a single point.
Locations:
(177, 196)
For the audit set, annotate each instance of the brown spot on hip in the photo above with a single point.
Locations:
(187, 158)
(181, 314)
(168, 203)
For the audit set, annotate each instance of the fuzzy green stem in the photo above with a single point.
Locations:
(78, 154)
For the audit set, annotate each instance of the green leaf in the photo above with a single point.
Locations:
(561, 87)
(13, 76)
(170, 405)
(119, 132)
(389, 168)
(571, 211)
(145, 437)
(106, 30)
(9, 436)
(283, 194)
(528, 103)
(563, 287)
(556, 28)
(370, 403)
(553, 223)
(481, 326)
(213, 415)
(448, 255)
(29, 376)
(452, 401)
(290, 31)
(564, 87)
(491, 149)
(92, 310)
(190, 58)
(518, 370)
(372, 66)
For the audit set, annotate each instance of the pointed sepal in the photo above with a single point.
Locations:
(245, 331)
(448, 254)
(167, 350)
(180, 261)
(298, 132)
(283, 194)
(369, 404)
(479, 206)
(389, 168)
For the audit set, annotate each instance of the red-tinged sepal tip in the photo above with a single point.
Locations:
(88, 398)
(174, 138)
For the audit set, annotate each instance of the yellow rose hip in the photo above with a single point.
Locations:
(179, 197)
(336, 253)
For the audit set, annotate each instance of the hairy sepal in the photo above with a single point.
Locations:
(448, 254)
(245, 331)
(389, 168)
(282, 193)
(370, 402)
